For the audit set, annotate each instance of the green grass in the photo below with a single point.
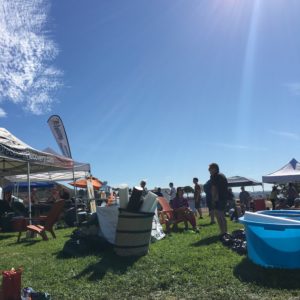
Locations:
(182, 266)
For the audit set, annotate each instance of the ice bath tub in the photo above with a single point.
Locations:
(273, 238)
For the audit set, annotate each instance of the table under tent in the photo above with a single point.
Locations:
(240, 181)
(79, 170)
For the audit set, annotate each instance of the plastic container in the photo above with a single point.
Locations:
(149, 203)
(273, 238)
(290, 214)
(259, 204)
(123, 195)
(11, 284)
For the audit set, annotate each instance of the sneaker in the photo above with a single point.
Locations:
(224, 236)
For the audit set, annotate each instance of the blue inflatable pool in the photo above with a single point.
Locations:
(273, 238)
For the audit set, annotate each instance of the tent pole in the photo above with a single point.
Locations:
(29, 192)
(75, 196)
(2, 186)
(17, 191)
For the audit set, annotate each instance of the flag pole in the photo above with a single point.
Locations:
(58, 130)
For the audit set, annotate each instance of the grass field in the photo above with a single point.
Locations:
(184, 265)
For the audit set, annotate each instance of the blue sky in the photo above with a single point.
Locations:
(158, 89)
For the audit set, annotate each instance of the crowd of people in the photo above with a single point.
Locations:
(219, 198)
(216, 190)
(285, 197)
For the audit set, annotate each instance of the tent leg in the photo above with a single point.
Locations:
(29, 192)
(75, 196)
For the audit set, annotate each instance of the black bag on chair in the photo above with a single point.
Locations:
(135, 201)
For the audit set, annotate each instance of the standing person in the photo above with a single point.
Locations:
(143, 186)
(273, 196)
(197, 197)
(158, 192)
(231, 200)
(244, 200)
(219, 193)
(207, 191)
(292, 194)
(172, 193)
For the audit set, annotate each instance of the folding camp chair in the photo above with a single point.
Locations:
(48, 221)
(166, 215)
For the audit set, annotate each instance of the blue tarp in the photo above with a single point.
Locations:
(23, 186)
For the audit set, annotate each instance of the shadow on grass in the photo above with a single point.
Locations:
(25, 242)
(207, 241)
(206, 225)
(84, 247)
(109, 262)
(6, 236)
(247, 271)
(31, 242)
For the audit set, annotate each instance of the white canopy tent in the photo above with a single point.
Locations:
(16, 157)
(80, 170)
(288, 173)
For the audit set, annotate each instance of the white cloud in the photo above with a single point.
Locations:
(238, 147)
(2, 113)
(285, 134)
(294, 88)
(232, 146)
(27, 77)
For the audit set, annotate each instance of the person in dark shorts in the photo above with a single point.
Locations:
(197, 197)
(219, 192)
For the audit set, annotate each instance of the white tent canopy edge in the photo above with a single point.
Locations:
(288, 173)
(80, 170)
(16, 157)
